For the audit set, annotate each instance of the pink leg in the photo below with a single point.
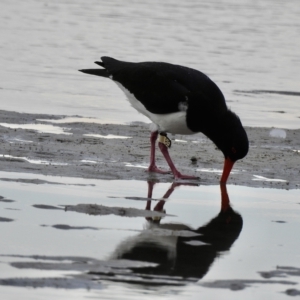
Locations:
(175, 172)
(149, 196)
(153, 167)
(160, 204)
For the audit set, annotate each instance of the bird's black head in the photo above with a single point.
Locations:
(227, 132)
(234, 140)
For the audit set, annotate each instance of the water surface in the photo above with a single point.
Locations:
(204, 244)
(250, 49)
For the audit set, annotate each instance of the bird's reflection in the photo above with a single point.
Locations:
(180, 251)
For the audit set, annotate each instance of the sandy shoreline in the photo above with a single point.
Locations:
(272, 161)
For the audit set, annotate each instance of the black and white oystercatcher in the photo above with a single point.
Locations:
(178, 100)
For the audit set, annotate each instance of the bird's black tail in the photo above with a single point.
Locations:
(97, 72)
(109, 65)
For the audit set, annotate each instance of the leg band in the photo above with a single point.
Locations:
(164, 139)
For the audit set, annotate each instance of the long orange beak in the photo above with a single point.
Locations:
(228, 164)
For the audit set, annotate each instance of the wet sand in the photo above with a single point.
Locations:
(109, 151)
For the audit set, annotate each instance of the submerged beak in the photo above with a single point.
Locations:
(225, 202)
(228, 164)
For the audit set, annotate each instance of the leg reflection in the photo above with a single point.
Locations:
(179, 250)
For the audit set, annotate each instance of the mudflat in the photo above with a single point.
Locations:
(50, 145)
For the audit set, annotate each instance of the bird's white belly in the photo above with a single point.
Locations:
(174, 123)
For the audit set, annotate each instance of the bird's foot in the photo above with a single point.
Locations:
(155, 169)
(179, 176)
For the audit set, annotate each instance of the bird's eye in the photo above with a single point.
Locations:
(233, 150)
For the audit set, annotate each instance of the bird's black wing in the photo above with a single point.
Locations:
(161, 87)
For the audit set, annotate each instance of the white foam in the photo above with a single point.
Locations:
(88, 161)
(73, 120)
(135, 166)
(218, 171)
(209, 170)
(15, 140)
(32, 161)
(262, 178)
(109, 136)
(38, 127)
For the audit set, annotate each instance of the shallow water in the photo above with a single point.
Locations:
(250, 49)
(120, 250)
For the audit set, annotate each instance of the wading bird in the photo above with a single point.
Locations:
(178, 100)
